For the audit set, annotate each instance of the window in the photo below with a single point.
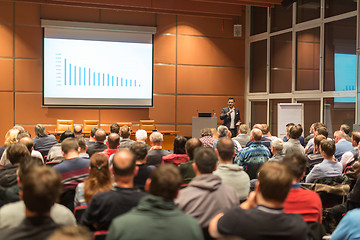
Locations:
(258, 67)
(281, 18)
(311, 113)
(307, 10)
(336, 7)
(258, 20)
(274, 114)
(258, 112)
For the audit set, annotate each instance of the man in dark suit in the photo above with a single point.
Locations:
(231, 117)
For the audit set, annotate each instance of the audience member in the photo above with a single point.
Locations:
(92, 136)
(286, 138)
(262, 215)
(28, 142)
(186, 168)
(179, 155)
(156, 152)
(353, 155)
(41, 187)
(82, 147)
(115, 128)
(329, 167)
(231, 174)
(71, 233)
(43, 141)
(10, 137)
(12, 214)
(243, 137)
(267, 131)
(55, 153)
(206, 137)
(125, 141)
(266, 140)
(341, 145)
(346, 129)
(277, 146)
(99, 180)
(78, 131)
(315, 157)
(293, 144)
(206, 196)
(99, 145)
(223, 131)
(141, 136)
(301, 201)
(112, 144)
(156, 216)
(319, 129)
(348, 227)
(105, 206)
(311, 134)
(140, 152)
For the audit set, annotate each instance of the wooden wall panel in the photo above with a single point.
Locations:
(7, 119)
(185, 130)
(6, 15)
(6, 79)
(28, 42)
(28, 75)
(165, 49)
(166, 23)
(127, 17)
(6, 41)
(163, 110)
(66, 13)
(164, 78)
(123, 115)
(27, 14)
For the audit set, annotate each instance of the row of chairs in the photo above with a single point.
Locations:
(63, 125)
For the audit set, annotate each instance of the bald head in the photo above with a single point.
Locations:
(78, 130)
(123, 163)
(100, 135)
(259, 126)
(28, 142)
(225, 149)
(113, 140)
(256, 134)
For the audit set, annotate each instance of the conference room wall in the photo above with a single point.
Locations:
(197, 65)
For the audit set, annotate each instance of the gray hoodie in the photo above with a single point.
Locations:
(205, 197)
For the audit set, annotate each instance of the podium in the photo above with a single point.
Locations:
(199, 123)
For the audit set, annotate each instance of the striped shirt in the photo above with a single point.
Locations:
(256, 152)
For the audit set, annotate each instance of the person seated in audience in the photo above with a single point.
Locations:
(353, 155)
(112, 145)
(267, 131)
(157, 209)
(156, 152)
(78, 131)
(140, 152)
(346, 129)
(92, 136)
(179, 155)
(223, 131)
(71, 233)
(115, 128)
(43, 141)
(82, 147)
(141, 136)
(206, 195)
(99, 145)
(323, 131)
(301, 201)
(125, 141)
(28, 142)
(41, 187)
(206, 137)
(286, 138)
(12, 214)
(186, 168)
(10, 137)
(99, 180)
(243, 137)
(73, 169)
(348, 227)
(55, 153)
(315, 157)
(266, 140)
(341, 144)
(329, 167)
(276, 147)
(293, 144)
(262, 215)
(8, 175)
(231, 174)
(311, 134)
(105, 206)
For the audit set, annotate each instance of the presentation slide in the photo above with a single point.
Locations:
(345, 75)
(89, 72)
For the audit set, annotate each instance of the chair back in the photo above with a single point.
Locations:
(252, 170)
(63, 125)
(147, 125)
(129, 124)
(67, 198)
(53, 163)
(100, 235)
(78, 212)
(89, 124)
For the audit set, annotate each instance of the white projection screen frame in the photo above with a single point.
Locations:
(97, 65)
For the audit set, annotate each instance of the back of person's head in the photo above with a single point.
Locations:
(41, 187)
(123, 163)
(11, 136)
(125, 131)
(69, 232)
(266, 128)
(328, 147)
(23, 135)
(69, 145)
(275, 180)
(113, 140)
(141, 135)
(339, 134)
(289, 125)
(318, 139)
(40, 130)
(28, 142)
(15, 152)
(165, 182)
(225, 148)
(222, 131)
(356, 137)
(179, 145)
(260, 127)
(244, 129)
(191, 145)
(323, 131)
(295, 131)
(205, 160)
(345, 128)
(100, 135)
(82, 143)
(78, 130)
(205, 132)
(114, 128)
(66, 134)
(318, 125)
(256, 134)
(156, 137)
(27, 164)
(277, 144)
(296, 162)
(93, 131)
(19, 127)
(139, 150)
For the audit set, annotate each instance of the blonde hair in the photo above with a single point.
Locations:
(11, 136)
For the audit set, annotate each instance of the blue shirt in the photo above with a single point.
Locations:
(348, 227)
(327, 168)
(256, 152)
